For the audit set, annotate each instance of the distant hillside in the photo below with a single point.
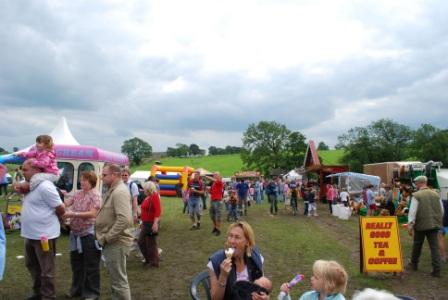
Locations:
(227, 165)
(331, 157)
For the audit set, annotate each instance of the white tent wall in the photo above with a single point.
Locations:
(140, 176)
(293, 175)
(354, 182)
(442, 178)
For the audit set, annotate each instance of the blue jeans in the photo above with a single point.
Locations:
(233, 213)
(258, 195)
(194, 206)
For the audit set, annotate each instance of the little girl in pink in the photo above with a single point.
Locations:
(44, 159)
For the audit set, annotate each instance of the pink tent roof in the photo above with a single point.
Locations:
(76, 152)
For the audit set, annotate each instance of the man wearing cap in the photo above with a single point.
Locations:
(425, 220)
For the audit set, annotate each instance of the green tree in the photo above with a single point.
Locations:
(383, 140)
(194, 149)
(268, 145)
(136, 149)
(437, 150)
(323, 146)
(182, 149)
(430, 143)
(422, 139)
(212, 150)
(392, 140)
(295, 149)
(171, 152)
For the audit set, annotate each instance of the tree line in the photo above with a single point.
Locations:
(271, 145)
(183, 150)
(212, 150)
(137, 149)
(385, 140)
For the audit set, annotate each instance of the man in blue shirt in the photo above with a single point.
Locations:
(272, 192)
(243, 188)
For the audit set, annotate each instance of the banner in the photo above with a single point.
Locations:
(380, 244)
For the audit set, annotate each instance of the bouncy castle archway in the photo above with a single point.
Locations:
(169, 183)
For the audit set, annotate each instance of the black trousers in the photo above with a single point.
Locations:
(86, 269)
(419, 239)
(149, 248)
(273, 201)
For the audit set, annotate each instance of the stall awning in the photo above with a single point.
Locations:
(356, 181)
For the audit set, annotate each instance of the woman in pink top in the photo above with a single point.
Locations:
(85, 252)
(330, 196)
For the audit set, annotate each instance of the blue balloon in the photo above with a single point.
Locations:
(11, 159)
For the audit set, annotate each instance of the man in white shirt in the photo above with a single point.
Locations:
(40, 223)
(345, 197)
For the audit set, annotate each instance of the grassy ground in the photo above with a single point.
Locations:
(289, 244)
(226, 164)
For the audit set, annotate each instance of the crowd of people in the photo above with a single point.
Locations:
(103, 226)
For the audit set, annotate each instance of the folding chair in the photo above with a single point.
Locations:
(204, 292)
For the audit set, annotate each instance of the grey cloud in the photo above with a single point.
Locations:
(71, 60)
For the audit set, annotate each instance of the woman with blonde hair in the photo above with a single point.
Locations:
(239, 260)
(150, 216)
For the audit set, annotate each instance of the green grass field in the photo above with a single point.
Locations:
(229, 164)
(331, 157)
(290, 244)
(226, 164)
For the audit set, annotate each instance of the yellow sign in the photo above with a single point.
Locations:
(380, 240)
(13, 209)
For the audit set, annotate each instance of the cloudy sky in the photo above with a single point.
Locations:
(202, 71)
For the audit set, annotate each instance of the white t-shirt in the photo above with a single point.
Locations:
(38, 212)
(344, 196)
(133, 188)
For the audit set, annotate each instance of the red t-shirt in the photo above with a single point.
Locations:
(216, 190)
(151, 208)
